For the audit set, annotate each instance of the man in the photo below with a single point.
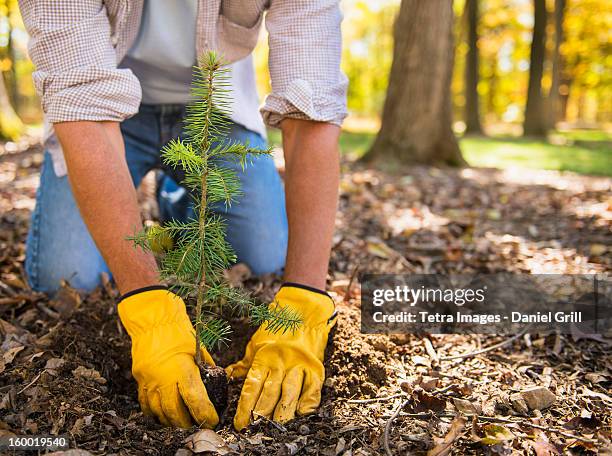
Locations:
(92, 59)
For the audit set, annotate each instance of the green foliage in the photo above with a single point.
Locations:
(199, 254)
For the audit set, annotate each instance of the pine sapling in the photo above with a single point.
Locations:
(195, 252)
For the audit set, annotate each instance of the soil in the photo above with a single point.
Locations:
(66, 361)
(215, 382)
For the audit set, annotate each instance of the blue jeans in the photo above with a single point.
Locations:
(60, 247)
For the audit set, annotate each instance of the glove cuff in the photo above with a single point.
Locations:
(315, 306)
(143, 309)
(306, 287)
(141, 290)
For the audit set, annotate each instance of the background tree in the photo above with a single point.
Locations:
(553, 95)
(416, 122)
(10, 123)
(535, 113)
(472, 100)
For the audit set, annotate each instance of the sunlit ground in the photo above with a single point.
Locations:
(579, 151)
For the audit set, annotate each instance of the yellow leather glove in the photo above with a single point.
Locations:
(163, 348)
(284, 371)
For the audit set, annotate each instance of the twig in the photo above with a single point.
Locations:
(375, 399)
(389, 424)
(445, 389)
(18, 299)
(500, 420)
(31, 383)
(537, 426)
(351, 280)
(53, 314)
(431, 351)
(264, 418)
(488, 349)
(429, 415)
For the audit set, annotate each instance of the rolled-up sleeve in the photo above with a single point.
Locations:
(305, 44)
(76, 72)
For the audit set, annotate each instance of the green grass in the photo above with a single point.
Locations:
(584, 156)
(350, 142)
(580, 151)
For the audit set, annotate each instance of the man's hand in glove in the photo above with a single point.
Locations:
(284, 371)
(163, 349)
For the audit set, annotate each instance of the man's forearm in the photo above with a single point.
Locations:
(104, 192)
(312, 172)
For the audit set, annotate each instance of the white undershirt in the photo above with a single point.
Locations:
(163, 55)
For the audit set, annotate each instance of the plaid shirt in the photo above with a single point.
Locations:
(77, 44)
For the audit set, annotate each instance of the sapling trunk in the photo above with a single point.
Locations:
(202, 229)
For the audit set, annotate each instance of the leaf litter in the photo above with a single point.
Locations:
(66, 362)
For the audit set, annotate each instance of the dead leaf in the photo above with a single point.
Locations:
(89, 374)
(66, 301)
(237, 274)
(467, 407)
(419, 360)
(9, 355)
(73, 452)
(206, 440)
(35, 355)
(55, 363)
(577, 335)
(597, 249)
(595, 394)
(7, 328)
(595, 377)
(518, 403)
(586, 420)
(256, 439)
(380, 249)
(496, 434)
(428, 383)
(426, 402)
(340, 446)
(14, 281)
(493, 214)
(444, 445)
(542, 446)
(291, 448)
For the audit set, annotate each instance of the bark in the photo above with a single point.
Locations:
(554, 98)
(472, 108)
(564, 94)
(11, 81)
(417, 120)
(535, 123)
(493, 81)
(10, 123)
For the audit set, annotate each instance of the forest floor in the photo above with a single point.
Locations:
(65, 364)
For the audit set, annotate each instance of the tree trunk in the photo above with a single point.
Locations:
(493, 81)
(11, 81)
(472, 108)
(535, 115)
(10, 123)
(416, 122)
(554, 98)
(564, 93)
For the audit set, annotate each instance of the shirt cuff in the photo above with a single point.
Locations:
(302, 101)
(95, 94)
